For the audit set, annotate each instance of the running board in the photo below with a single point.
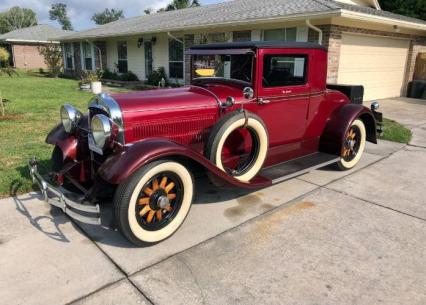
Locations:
(297, 167)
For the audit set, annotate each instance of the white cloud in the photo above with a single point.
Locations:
(80, 11)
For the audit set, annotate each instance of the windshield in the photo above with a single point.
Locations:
(232, 67)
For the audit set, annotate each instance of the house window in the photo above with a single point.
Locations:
(216, 37)
(175, 59)
(148, 58)
(122, 57)
(69, 62)
(287, 34)
(87, 56)
(241, 36)
(284, 70)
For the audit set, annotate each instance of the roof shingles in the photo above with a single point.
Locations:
(225, 12)
(41, 32)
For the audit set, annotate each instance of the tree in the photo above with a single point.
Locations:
(147, 11)
(411, 8)
(58, 12)
(179, 4)
(17, 18)
(52, 55)
(107, 16)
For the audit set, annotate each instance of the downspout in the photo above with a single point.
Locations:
(317, 29)
(174, 38)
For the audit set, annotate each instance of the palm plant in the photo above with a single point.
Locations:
(181, 4)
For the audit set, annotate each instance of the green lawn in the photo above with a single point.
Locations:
(32, 110)
(395, 132)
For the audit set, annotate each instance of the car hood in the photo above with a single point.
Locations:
(166, 99)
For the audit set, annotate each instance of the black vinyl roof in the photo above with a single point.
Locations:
(259, 45)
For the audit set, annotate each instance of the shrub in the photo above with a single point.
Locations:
(129, 77)
(52, 54)
(4, 57)
(110, 75)
(155, 77)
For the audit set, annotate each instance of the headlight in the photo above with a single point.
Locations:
(101, 129)
(70, 117)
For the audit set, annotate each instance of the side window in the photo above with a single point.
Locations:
(284, 70)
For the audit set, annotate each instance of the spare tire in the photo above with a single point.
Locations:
(242, 122)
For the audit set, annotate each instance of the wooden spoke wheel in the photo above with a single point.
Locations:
(353, 145)
(153, 202)
(159, 200)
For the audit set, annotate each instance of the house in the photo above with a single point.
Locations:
(366, 45)
(23, 44)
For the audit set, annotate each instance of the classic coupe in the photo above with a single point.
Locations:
(254, 114)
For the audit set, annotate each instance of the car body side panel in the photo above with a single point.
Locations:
(338, 125)
(120, 166)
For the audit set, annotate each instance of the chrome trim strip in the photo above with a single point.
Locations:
(106, 103)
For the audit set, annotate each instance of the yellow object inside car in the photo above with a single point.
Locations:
(204, 72)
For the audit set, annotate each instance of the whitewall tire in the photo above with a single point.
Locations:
(224, 128)
(153, 203)
(354, 145)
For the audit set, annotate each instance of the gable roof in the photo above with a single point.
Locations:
(37, 33)
(232, 12)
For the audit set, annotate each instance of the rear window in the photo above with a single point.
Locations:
(284, 70)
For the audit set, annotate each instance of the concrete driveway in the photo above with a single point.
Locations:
(327, 237)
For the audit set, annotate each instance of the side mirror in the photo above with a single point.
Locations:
(230, 101)
(248, 93)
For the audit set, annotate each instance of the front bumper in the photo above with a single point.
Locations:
(61, 198)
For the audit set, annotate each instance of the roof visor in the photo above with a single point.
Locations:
(218, 51)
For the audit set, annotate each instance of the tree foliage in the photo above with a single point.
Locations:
(107, 16)
(179, 4)
(52, 55)
(411, 8)
(17, 18)
(58, 12)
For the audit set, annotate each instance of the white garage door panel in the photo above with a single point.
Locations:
(377, 63)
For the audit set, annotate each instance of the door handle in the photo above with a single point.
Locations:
(262, 101)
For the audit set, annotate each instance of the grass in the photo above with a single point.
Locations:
(395, 132)
(32, 110)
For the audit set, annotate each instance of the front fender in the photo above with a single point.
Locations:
(122, 165)
(65, 141)
(339, 123)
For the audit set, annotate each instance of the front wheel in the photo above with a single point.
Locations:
(152, 203)
(353, 147)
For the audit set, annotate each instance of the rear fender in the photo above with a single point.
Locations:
(338, 125)
(65, 141)
(120, 166)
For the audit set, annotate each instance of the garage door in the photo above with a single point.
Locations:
(377, 63)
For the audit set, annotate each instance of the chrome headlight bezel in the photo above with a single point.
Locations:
(70, 117)
(101, 127)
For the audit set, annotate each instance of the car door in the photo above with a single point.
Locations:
(283, 94)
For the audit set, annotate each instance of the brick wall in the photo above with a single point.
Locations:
(27, 56)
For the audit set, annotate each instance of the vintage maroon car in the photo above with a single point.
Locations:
(255, 114)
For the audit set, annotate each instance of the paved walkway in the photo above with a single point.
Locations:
(327, 237)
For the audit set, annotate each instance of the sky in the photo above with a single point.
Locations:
(81, 11)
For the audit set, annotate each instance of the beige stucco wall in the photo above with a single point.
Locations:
(136, 56)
